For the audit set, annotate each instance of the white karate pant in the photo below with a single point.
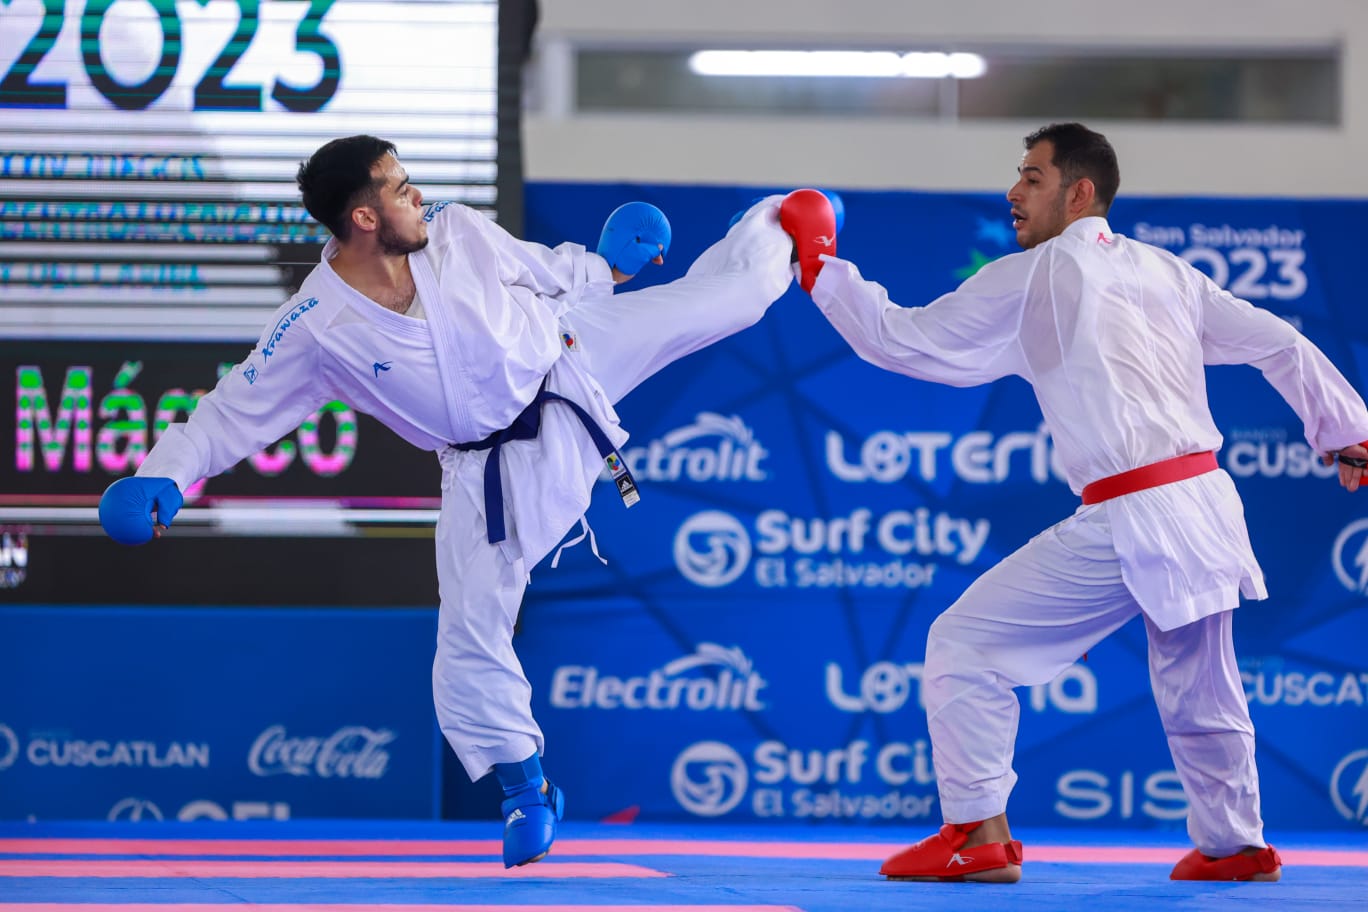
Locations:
(482, 696)
(1034, 614)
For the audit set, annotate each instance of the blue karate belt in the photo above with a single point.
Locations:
(525, 427)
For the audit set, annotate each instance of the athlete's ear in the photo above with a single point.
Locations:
(364, 218)
(1082, 195)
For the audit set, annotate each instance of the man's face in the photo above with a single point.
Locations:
(400, 210)
(1037, 197)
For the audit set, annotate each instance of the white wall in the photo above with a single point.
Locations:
(1156, 157)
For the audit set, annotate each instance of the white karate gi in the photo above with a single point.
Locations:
(1112, 334)
(499, 317)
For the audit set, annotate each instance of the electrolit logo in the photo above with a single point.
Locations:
(713, 677)
(713, 448)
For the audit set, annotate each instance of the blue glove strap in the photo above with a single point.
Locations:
(515, 775)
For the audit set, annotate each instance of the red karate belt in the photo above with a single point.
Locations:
(1153, 475)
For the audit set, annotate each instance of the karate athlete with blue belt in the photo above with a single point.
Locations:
(1113, 335)
(503, 357)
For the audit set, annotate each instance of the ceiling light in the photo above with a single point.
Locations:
(875, 64)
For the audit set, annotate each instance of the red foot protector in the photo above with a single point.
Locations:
(808, 218)
(1263, 865)
(943, 857)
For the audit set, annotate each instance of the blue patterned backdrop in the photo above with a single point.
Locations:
(754, 646)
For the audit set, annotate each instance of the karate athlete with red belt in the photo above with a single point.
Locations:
(503, 357)
(1113, 335)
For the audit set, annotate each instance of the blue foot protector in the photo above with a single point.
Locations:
(529, 813)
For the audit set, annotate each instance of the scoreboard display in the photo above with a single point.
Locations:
(148, 148)
(149, 226)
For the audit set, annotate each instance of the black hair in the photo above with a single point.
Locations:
(1080, 152)
(337, 178)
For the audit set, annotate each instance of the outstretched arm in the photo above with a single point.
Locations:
(963, 338)
(1332, 413)
(257, 403)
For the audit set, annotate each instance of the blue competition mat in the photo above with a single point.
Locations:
(409, 867)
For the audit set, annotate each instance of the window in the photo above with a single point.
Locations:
(1256, 86)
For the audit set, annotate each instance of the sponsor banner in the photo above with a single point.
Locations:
(134, 809)
(217, 714)
(83, 414)
(804, 517)
(780, 716)
(754, 647)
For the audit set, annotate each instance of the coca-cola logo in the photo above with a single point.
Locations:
(352, 751)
